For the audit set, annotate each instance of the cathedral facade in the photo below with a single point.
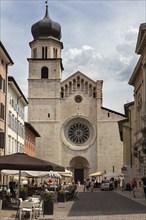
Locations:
(76, 130)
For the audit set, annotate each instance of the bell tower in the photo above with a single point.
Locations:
(45, 74)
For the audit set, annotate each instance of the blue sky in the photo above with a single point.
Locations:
(99, 39)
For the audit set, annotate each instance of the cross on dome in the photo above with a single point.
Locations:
(46, 2)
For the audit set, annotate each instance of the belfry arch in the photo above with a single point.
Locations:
(80, 168)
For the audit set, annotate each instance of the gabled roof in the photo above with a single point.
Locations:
(75, 75)
(141, 42)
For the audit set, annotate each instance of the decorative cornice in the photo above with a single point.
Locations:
(141, 42)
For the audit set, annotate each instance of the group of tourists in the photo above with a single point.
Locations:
(89, 184)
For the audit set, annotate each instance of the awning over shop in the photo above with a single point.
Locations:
(98, 173)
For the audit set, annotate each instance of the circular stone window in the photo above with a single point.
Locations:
(78, 133)
(78, 98)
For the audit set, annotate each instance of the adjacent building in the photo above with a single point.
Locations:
(30, 139)
(16, 103)
(76, 130)
(138, 81)
(5, 62)
(16, 135)
(127, 134)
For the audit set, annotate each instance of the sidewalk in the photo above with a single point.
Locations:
(62, 210)
(140, 198)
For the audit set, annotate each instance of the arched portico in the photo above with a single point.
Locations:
(80, 168)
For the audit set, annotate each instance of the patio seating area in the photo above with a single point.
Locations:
(31, 202)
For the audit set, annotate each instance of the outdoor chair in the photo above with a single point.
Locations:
(38, 210)
(26, 207)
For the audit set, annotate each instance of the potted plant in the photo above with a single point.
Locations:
(61, 196)
(48, 198)
(23, 192)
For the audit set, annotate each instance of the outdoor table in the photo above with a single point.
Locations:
(33, 200)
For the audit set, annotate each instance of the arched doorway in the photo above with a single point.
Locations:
(80, 168)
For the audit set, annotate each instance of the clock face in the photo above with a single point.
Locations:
(78, 133)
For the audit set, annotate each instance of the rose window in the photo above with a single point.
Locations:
(78, 133)
(78, 98)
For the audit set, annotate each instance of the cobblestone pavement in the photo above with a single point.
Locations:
(73, 210)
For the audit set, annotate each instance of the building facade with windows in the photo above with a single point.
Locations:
(30, 139)
(127, 133)
(76, 130)
(138, 81)
(5, 62)
(16, 103)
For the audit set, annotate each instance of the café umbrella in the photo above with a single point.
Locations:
(22, 161)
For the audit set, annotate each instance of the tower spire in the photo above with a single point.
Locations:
(47, 14)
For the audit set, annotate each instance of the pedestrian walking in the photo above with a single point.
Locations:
(122, 184)
(84, 189)
(88, 184)
(119, 181)
(91, 185)
(144, 185)
(78, 184)
(134, 186)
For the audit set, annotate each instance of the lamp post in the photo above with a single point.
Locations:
(18, 121)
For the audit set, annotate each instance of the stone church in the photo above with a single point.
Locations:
(76, 130)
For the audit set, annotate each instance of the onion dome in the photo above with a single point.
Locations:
(46, 28)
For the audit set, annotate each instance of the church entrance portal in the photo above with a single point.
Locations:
(79, 175)
(80, 168)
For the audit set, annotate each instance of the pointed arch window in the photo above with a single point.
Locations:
(78, 82)
(90, 90)
(44, 72)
